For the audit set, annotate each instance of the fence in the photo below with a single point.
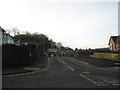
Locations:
(17, 55)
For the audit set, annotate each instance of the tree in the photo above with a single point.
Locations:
(36, 38)
(59, 45)
(76, 49)
(8, 31)
(15, 31)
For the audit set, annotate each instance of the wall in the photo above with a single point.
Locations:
(10, 40)
(113, 45)
(18, 55)
(109, 56)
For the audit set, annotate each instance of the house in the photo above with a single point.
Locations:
(67, 52)
(53, 51)
(1, 35)
(118, 43)
(5, 38)
(114, 43)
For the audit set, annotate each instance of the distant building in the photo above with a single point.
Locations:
(67, 52)
(53, 51)
(5, 38)
(19, 42)
(114, 43)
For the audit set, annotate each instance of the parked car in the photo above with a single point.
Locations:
(52, 55)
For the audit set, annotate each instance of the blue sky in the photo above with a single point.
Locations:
(74, 23)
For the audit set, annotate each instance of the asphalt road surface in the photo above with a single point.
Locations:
(64, 72)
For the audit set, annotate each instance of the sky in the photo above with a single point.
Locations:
(75, 23)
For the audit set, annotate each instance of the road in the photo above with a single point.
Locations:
(65, 72)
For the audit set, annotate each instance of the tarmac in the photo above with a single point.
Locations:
(40, 64)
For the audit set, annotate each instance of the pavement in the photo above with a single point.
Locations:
(100, 62)
(40, 63)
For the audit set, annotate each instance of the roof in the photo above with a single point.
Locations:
(5, 32)
(8, 35)
(118, 39)
(2, 29)
(114, 38)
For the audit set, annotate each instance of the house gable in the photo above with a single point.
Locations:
(118, 43)
(113, 38)
(5, 38)
(113, 43)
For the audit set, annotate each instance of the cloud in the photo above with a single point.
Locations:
(74, 24)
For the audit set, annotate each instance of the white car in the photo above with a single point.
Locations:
(52, 55)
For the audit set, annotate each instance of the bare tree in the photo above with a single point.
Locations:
(59, 45)
(15, 31)
(8, 31)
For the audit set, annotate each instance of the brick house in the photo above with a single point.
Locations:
(114, 43)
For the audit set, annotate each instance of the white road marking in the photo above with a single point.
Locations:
(86, 72)
(113, 82)
(117, 63)
(109, 81)
(59, 59)
(88, 79)
(116, 84)
(102, 84)
(85, 62)
(105, 83)
(70, 68)
(63, 62)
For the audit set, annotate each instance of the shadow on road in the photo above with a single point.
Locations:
(41, 63)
